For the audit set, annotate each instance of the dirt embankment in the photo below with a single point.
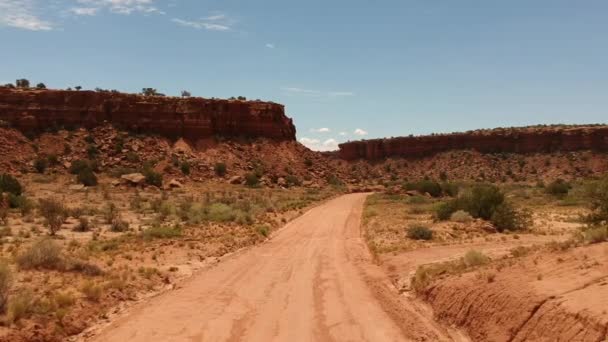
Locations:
(546, 296)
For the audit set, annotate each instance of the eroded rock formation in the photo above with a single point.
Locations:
(538, 139)
(192, 118)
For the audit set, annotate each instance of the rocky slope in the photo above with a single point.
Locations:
(539, 139)
(192, 118)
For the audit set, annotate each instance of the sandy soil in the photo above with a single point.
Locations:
(314, 281)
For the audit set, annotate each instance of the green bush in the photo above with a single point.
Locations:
(79, 165)
(10, 185)
(461, 216)
(482, 201)
(444, 210)
(558, 188)
(153, 177)
(293, 180)
(220, 212)
(220, 169)
(252, 180)
(87, 177)
(597, 197)
(505, 217)
(263, 230)
(419, 232)
(185, 168)
(40, 164)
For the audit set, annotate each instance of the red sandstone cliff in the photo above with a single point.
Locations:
(514, 140)
(192, 118)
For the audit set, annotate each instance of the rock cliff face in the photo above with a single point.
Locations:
(192, 118)
(537, 139)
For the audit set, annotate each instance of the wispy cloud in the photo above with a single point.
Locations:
(320, 130)
(217, 22)
(343, 134)
(117, 6)
(360, 132)
(84, 10)
(23, 14)
(292, 91)
(270, 45)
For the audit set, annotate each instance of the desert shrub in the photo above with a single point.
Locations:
(445, 210)
(419, 232)
(220, 212)
(596, 234)
(119, 225)
(40, 164)
(78, 166)
(597, 198)
(252, 180)
(92, 151)
(450, 189)
(425, 186)
(110, 212)
(10, 185)
(83, 225)
(52, 159)
(333, 180)
(220, 169)
(482, 201)
(506, 217)
(162, 232)
(132, 157)
(84, 268)
(6, 281)
(153, 177)
(461, 216)
(24, 204)
(308, 162)
(475, 258)
(53, 212)
(185, 167)
(43, 254)
(20, 306)
(263, 230)
(558, 188)
(91, 291)
(293, 180)
(86, 177)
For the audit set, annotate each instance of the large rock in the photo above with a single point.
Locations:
(192, 118)
(134, 178)
(511, 140)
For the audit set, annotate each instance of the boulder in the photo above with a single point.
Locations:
(174, 183)
(236, 180)
(134, 178)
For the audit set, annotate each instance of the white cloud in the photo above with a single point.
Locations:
(84, 10)
(217, 22)
(122, 6)
(317, 93)
(316, 144)
(22, 14)
(270, 46)
(320, 130)
(360, 132)
(341, 93)
(343, 134)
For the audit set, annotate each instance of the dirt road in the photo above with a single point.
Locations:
(314, 281)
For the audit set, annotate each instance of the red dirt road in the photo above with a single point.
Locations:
(314, 281)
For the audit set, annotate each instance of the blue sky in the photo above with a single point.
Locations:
(345, 70)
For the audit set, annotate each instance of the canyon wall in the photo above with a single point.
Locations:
(191, 118)
(539, 139)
